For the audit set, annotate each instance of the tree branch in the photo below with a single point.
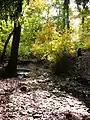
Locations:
(5, 46)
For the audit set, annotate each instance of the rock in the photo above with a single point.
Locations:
(68, 116)
(88, 110)
(23, 113)
(12, 115)
(2, 92)
(23, 89)
(1, 109)
(30, 110)
(37, 115)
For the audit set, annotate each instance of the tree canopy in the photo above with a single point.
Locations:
(10, 9)
(82, 2)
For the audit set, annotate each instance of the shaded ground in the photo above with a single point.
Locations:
(43, 96)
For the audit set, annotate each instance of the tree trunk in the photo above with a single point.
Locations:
(83, 18)
(5, 46)
(11, 68)
(67, 17)
(64, 15)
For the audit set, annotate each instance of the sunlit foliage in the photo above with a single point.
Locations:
(42, 28)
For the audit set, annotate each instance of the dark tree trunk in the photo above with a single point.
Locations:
(11, 68)
(83, 18)
(5, 46)
(64, 15)
(67, 17)
(79, 52)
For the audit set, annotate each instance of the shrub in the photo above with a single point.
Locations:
(64, 64)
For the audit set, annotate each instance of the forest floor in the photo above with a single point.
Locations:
(41, 95)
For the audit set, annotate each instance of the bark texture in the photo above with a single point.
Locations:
(11, 68)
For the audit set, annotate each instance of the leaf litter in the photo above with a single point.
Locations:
(40, 97)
